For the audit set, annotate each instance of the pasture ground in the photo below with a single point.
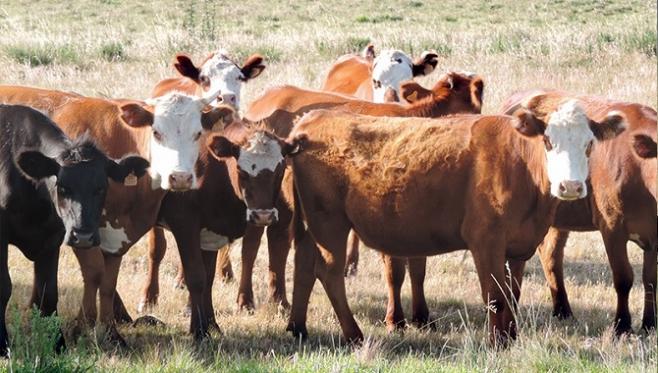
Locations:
(119, 48)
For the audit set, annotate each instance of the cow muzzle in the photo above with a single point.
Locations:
(83, 239)
(262, 217)
(571, 189)
(181, 181)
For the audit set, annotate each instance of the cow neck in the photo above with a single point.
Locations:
(530, 151)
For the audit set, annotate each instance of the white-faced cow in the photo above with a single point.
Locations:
(420, 187)
(53, 191)
(168, 132)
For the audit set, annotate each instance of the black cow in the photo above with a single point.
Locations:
(52, 190)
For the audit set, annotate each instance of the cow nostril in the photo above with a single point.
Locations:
(579, 190)
(562, 188)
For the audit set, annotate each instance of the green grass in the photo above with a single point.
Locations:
(46, 54)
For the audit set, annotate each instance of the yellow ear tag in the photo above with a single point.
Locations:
(130, 180)
(413, 97)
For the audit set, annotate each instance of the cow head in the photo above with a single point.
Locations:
(81, 173)
(393, 67)
(568, 136)
(261, 162)
(454, 92)
(220, 73)
(177, 122)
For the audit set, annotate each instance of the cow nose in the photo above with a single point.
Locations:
(262, 218)
(82, 239)
(230, 99)
(180, 181)
(571, 189)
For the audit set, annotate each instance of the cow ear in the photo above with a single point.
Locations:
(412, 91)
(425, 64)
(613, 124)
(221, 147)
(252, 67)
(186, 67)
(37, 166)
(477, 91)
(528, 124)
(222, 114)
(294, 146)
(644, 146)
(129, 165)
(135, 115)
(369, 53)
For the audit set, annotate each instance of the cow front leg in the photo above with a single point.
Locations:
(92, 266)
(250, 245)
(5, 293)
(157, 247)
(649, 280)
(420, 311)
(394, 271)
(622, 277)
(107, 291)
(551, 254)
(278, 240)
(303, 281)
(44, 291)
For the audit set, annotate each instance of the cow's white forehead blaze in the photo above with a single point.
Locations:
(261, 153)
(390, 68)
(177, 119)
(569, 133)
(224, 75)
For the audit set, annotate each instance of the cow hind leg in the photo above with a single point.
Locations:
(303, 281)
(394, 271)
(224, 269)
(157, 247)
(649, 280)
(107, 290)
(551, 254)
(210, 262)
(352, 263)
(622, 276)
(420, 311)
(5, 293)
(278, 239)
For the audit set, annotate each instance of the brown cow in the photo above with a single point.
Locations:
(622, 205)
(217, 72)
(419, 187)
(378, 78)
(168, 133)
(453, 93)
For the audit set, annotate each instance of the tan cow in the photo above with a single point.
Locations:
(376, 78)
(622, 205)
(420, 187)
(166, 131)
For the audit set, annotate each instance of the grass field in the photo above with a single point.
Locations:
(116, 48)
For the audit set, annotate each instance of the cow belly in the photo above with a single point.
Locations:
(211, 241)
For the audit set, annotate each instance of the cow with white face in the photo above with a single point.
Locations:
(217, 73)
(261, 164)
(568, 138)
(178, 121)
(392, 67)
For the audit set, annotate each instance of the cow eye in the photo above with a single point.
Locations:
(204, 80)
(588, 151)
(398, 60)
(197, 136)
(547, 144)
(157, 135)
(376, 83)
(63, 191)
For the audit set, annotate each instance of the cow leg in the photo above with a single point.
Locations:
(490, 265)
(210, 262)
(352, 254)
(250, 245)
(157, 247)
(649, 280)
(121, 315)
(622, 276)
(44, 291)
(5, 293)
(331, 236)
(420, 311)
(303, 282)
(107, 290)
(278, 240)
(516, 268)
(551, 254)
(92, 266)
(394, 271)
(224, 268)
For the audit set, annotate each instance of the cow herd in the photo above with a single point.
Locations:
(372, 157)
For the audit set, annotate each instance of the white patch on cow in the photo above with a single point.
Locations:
(177, 118)
(390, 68)
(569, 133)
(224, 75)
(262, 153)
(211, 241)
(112, 239)
(266, 211)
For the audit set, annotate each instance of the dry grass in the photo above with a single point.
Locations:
(120, 49)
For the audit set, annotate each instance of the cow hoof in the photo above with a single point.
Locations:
(395, 326)
(4, 352)
(649, 327)
(146, 305)
(147, 320)
(563, 314)
(245, 304)
(213, 327)
(60, 344)
(424, 324)
(113, 337)
(351, 270)
(297, 331)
